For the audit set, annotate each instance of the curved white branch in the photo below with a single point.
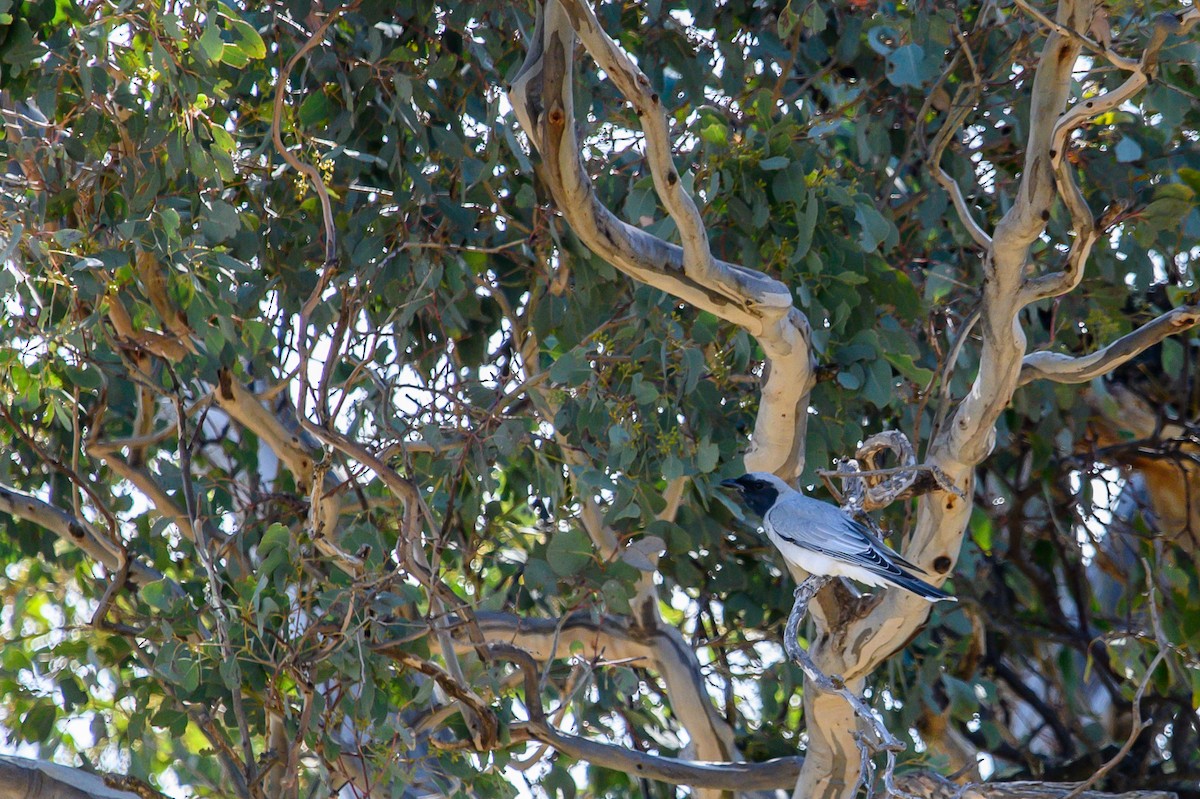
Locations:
(635, 86)
(1082, 223)
(79, 532)
(543, 101)
(953, 122)
(656, 645)
(1063, 368)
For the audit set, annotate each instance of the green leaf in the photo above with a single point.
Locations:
(616, 598)
(220, 222)
(89, 379)
(643, 553)
(73, 694)
(1172, 358)
(39, 722)
(211, 45)
(905, 366)
(170, 223)
(963, 700)
(315, 109)
(814, 17)
(880, 39)
(905, 66)
(157, 594)
(246, 38)
(850, 379)
(1127, 150)
(715, 133)
(65, 237)
(878, 389)
(274, 550)
(1190, 178)
(806, 224)
(773, 163)
(572, 369)
(1173, 201)
(169, 719)
(707, 456)
(874, 228)
(569, 551)
(189, 673)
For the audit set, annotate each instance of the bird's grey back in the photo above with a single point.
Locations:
(821, 526)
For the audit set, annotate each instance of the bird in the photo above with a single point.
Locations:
(823, 539)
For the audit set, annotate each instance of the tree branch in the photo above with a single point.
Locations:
(79, 532)
(1082, 222)
(964, 103)
(1062, 368)
(246, 409)
(855, 648)
(655, 645)
(720, 776)
(543, 100)
(25, 777)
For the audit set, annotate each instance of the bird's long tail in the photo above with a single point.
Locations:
(922, 589)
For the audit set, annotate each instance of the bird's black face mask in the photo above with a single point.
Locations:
(759, 495)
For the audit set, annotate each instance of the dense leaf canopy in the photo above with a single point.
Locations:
(205, 592)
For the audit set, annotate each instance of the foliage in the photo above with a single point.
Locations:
(157, 249)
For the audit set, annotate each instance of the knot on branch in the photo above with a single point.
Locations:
(873, 487)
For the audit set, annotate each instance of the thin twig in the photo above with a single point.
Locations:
(1125, 64)
(118, 580)
(216, 601)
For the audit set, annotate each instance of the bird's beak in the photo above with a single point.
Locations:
(734, 484)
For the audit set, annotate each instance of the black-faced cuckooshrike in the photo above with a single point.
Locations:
(824, 539)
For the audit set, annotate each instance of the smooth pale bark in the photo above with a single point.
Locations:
(852, 638)
(25, 778)
(543, 100)
(859, 646)
(1063, 368)
(79, 532)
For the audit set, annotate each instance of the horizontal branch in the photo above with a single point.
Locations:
(76, 531)
(22, 776)
(778, 773)
(929, 785)
(656, 645)
(1063, 368)
(771, 774)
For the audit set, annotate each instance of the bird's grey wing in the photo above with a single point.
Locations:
(824, 528)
